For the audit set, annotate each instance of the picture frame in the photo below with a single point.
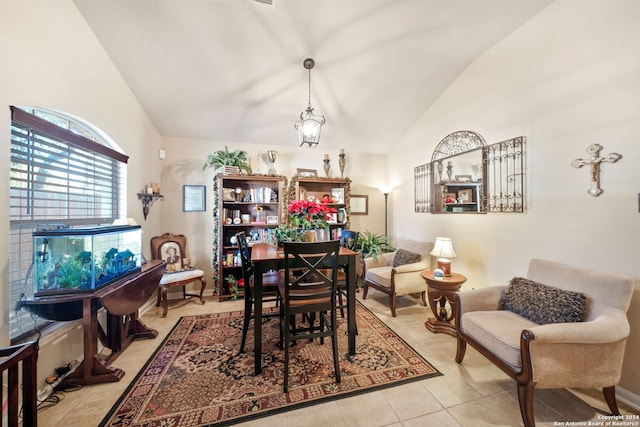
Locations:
(466, 195)
(272, 219)
(338, 195)
(228, 195)
(194, 198)
(307, 173)
(450, 195)
(359, 204)
(464, 178)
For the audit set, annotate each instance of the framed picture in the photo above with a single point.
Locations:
(465, 195)
(194, 198)
(464, 178)
(359, 204)
(451, 196)
(228, 195)
(272, 219)
(307, 173)
(338, 195)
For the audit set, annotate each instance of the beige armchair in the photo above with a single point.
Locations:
(578, 354)
(404, 279)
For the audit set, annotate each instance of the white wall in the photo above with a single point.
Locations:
(568, 78)
(52, 59)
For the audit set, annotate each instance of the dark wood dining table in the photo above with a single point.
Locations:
(267, 257)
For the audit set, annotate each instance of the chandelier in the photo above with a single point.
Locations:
(309, 125)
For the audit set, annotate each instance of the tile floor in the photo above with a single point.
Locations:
(474, 393)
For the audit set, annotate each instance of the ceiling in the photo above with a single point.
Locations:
(231, 70)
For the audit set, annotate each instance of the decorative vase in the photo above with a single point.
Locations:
(322, 235)
(310, 236)
(341, 163)
(326, 167)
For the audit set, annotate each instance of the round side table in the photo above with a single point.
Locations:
(441, 292)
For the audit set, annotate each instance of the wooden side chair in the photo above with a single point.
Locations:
(172, 248)
(270, 283)
(311, 292)
(20, 362)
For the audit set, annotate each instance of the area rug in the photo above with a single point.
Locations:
(197, 377)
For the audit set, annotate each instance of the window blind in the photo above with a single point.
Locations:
(56, 177)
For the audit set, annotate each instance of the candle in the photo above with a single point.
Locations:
(449, 164)
(326, 157)
(342, 151)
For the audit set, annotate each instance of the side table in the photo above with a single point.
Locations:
(441, 292)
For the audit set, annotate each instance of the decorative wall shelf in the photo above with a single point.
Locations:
(148, 200)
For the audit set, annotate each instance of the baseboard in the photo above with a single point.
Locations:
(628, 398)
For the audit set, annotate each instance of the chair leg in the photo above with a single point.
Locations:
(365, 289)
(334, 344)
(525, 397)
(610, 398)
(392, 303)
(341, 303)
(461, 350)
(248, 303)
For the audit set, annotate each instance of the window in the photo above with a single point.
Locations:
(63, 171)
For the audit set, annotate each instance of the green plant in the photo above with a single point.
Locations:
(225, 157)
(284, 233)
(233, 286)
(373, 244)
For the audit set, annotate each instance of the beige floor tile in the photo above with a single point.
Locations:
(367, 410)
(440, 419)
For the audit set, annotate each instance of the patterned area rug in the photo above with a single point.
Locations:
(198, 378)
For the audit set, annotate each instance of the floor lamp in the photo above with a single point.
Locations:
(385, 191)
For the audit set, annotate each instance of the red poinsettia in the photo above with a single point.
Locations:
(309, 215)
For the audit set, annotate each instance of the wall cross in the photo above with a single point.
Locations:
(594, 162)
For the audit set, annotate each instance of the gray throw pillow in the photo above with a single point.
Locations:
(403, 257)
(543, 304)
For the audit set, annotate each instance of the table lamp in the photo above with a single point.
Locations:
(443, 249)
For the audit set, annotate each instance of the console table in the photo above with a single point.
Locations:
(121, 299)
(440, 292)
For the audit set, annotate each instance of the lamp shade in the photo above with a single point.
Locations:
(443, 248)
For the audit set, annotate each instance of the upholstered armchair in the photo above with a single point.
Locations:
(395, 274)
(560, 327)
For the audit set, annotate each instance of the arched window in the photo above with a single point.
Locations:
(63, 171)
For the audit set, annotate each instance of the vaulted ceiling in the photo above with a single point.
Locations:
(231, 70)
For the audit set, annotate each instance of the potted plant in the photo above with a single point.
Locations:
(224, 158)
(310, 217)
(285, 233)
(233, 286)
(373, 244)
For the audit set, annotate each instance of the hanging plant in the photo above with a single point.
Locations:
(222, 158)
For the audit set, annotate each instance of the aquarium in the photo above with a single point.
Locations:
(73, 260)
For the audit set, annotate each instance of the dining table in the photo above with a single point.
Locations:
(266, 257)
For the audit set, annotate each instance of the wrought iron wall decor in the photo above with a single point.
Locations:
(498, 187)
(594, 161)
(505, 165)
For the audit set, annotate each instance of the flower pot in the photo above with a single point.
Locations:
(310, 236)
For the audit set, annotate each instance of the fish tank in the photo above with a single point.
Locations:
(75, 260)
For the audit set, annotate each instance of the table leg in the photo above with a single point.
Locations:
(351, 303)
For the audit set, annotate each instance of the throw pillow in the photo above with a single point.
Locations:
(543, 304)
(403, 257)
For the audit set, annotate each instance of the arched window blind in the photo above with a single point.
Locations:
(57, 177)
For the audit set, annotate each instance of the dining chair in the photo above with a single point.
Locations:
(310, 294)
(270, 283)
(173, 249)
(349, 240)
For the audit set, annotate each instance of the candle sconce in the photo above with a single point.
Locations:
(148, 200)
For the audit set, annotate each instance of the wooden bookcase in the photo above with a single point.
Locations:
(314, 188)
(250, 203)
